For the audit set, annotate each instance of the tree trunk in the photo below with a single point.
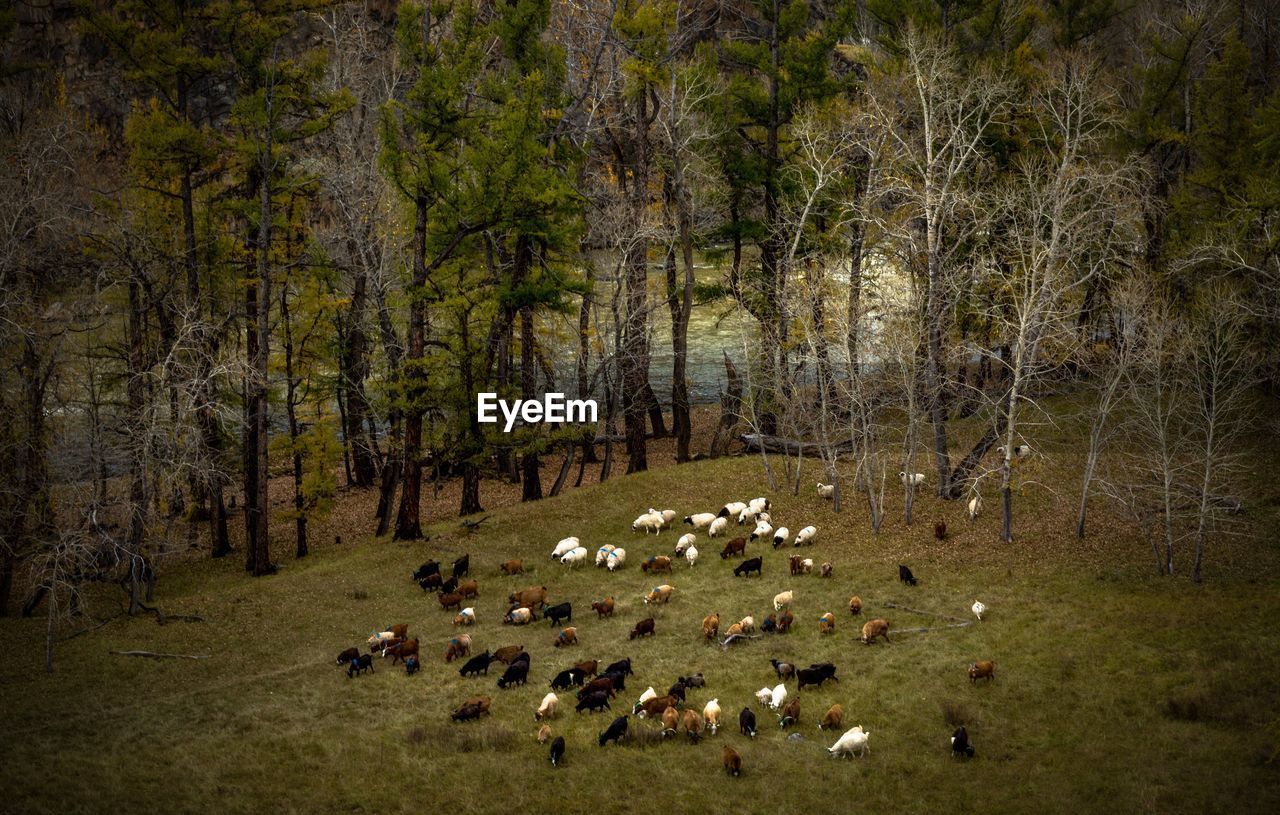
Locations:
(260, 557)
(291, 387)
(408, 525)
(730, 411)
(530, 466)
(635, 339)
(354, 362)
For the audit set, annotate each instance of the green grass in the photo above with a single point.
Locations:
(1116, 691)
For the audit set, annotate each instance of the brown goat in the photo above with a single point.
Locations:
(655, 706)
(659, 563)
(736, 546)
(604, 607)
(790, 713)
(481, 702)
(692, 725)
(855, 605)
(544, 733)
(600, 683)
(875, 628)
(670, 721)
(643, 628)
(513, 566)
(400, 630)
(469, 588)
(711, 626)
(982, 669)
(567, 636)
(451, 600)
(827, 623)
(507, 653)
(529, 598)
(940, 530)
(383, 646)
(459, 646)
(589, 668)
(827, 569)
(832, 719)
(732, 761)
(403, 651)
(797, 565)
(785, 621)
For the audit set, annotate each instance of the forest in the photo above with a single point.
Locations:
(291, 240)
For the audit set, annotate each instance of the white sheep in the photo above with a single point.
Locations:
(602, 554)
(686, 540)
(764, 516)
(566, 545)
(732, 509)
(978, 607)
(827, 491)
(691, 555)
(747, 624)
(668, 516)
(758, 504)
(778, 696)
(806, 565)
(649, 522)
(699, 520)
(780, 536)
(574, 556)
(744, 514)
(616, 559)
(853, 740)
(783, 600)
(718, 527)
(1019, 450)
(975, 507)
(547, 710)
(711, 712)
(764, 696)
(806, 535)
(911, 480)
(762, 530)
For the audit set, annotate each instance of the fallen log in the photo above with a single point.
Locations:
(776, 444)
(154, 655)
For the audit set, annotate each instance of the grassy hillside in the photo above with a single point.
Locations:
(1116, 691)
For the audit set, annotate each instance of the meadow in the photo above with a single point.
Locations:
(1115, 690)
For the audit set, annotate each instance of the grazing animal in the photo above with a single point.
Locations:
(399, 631)
(982, 669)
(574, 557)
(853, 741)
(732, 761)
(383, 647)
(940, 530)
(746, 567)
(567, 636)
(654, 707)
(783, 600)
(790, 714)
(566, 679)
(451, 600)
(566, 545)
(748, 624)
(913, 480)
(764, 696)
(557, 751)
(905, 575)
(529, 598)
(806, 536)
(348, 655)
(506, 654)
(603, 608)
(737, 546)
(784, 622)
(770, 624)
(731, 509)
(478, 664)
(431, 582)
(449, 586)
(975, 507)
(461, 566)
(602, 554)
(459, 646)
(978, 608)
(855, 605)
(670, 721)
(777, 696)
(588, 667)
(616, 559)
(960, 743)
(734, 630)
(615, 732)
(827, 491)
(718, 527)
(668, 516)
(513, 566)
(763, 530)
(676, 691)
(691, 555)
(657, 563)
(547, 710)
(649, 693)
(695, 681)
(686, 540)
(795, 562)
(555, 614)
(826, 569)
(659, 594)
(519, 616)
(711, 626)
(875, 628)
(515, 674)
(544, 733)
(359, 665)
(648, 522)
(827, 623)
(711, 714)
(594, 702)
(832, 718)
(758, 505)
(403, 651)
(816, 674)
(1019, 450)
(466, 713)
(644, 628)
(411, 666)
(622, 666)
(522, 657)
(784, 670)
(747, 723)
(780, 536)
(700, 520)
(465, 617)
(618, 679)
(426, 570)
(376, 641)
(692, 722)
